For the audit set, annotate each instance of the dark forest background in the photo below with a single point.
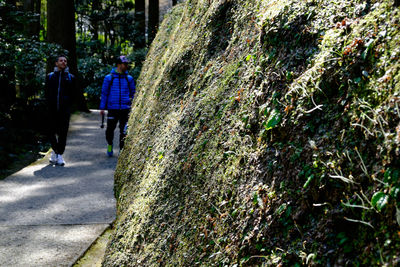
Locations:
(92, 33)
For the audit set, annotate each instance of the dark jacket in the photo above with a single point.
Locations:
(60, 90)
(119, 93)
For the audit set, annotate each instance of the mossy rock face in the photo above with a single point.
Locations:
(264, 133)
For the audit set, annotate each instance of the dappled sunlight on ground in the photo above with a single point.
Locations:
(49, 215)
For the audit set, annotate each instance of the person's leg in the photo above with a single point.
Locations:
(52, 131)
(123, 120)
(112, 120)
(62, 132)
(53, 142)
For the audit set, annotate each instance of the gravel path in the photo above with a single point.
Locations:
(50, 215)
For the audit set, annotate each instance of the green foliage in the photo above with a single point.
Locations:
(22, 74)
(392, 176)
(93, 71)
(116, 35)
(274, 118)
(395, 193)
(22, 54)
(117, 18)
(379, 200)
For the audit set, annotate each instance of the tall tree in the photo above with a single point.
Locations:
(32, 8)
(61, 30)
(154, 17)
(31, 29)
(140, 17)
(7, 69)
(94, 20)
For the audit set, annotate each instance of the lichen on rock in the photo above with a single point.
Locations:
(264, 133)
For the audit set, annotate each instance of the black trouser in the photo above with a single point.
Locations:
(114, 116)
(58, 129)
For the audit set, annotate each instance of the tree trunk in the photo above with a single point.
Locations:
(61, 30)
(94, 20)
(154, 16)
(174, 2)
(7, 85)
(43, 19)
(31, 7)
(11, 2)
(31, 29)
(37, 6)
(140, 17)
(105, 37)
(7, 74)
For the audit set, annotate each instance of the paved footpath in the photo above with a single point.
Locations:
(50, 215)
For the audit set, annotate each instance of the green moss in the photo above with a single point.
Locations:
(272, 144)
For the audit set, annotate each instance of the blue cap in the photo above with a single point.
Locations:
(123, 59)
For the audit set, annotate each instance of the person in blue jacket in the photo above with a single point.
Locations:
(116, 96)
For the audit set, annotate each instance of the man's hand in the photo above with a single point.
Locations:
(102, 118)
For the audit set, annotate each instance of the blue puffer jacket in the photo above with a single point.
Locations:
(120, 93)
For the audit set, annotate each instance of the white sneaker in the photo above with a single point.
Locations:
(53, 158)
(60, 160)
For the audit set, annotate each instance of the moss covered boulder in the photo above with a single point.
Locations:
(264, 133)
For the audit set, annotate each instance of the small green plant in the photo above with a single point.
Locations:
(273, 120)
(379, 200)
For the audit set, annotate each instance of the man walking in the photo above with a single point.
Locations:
(116, 96)
(59, 92)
